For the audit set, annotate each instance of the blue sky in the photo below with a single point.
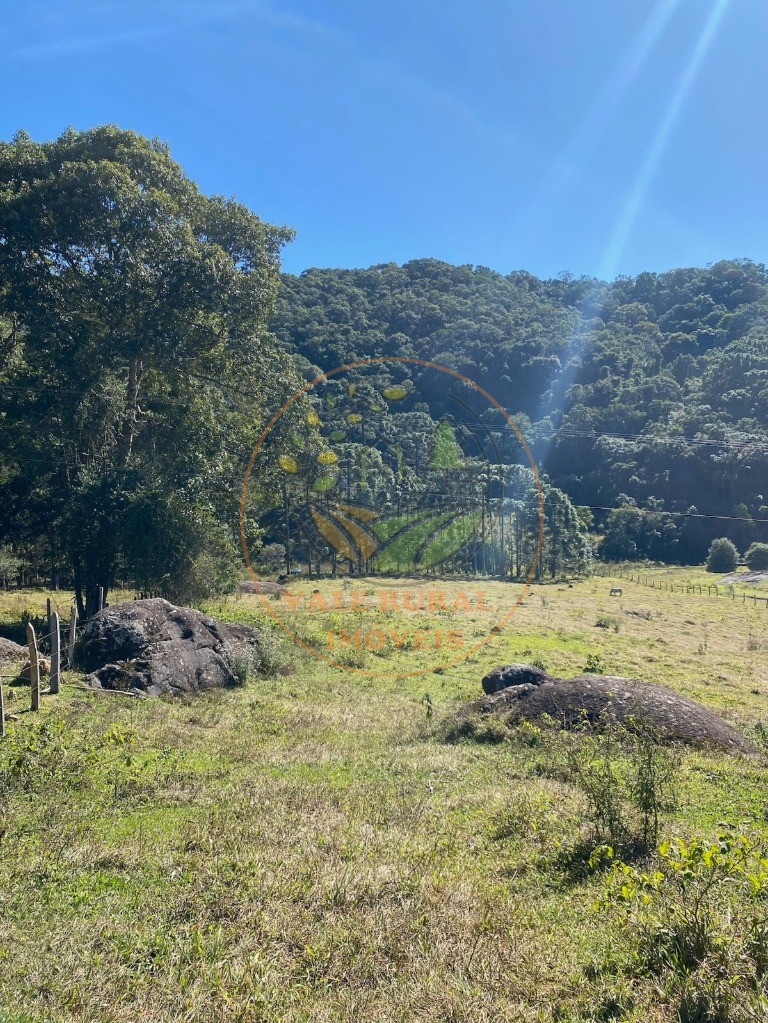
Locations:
(593, 136)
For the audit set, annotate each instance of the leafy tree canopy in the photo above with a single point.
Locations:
(653, 386)
(723, 556)
(136, 353)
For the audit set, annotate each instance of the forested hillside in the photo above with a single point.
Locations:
(647, 392)
(137, 371)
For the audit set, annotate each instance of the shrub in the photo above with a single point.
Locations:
(608, 622)
(696, 921)
(627, 778)
(595, 664)
(757, 557)
(243, 666)
(274, 656)
(722, 556)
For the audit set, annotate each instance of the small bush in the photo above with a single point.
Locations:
(273, 655)
(696, 921)
(595, 664)
(243, 665)
(527, 733)
(757, 557)
(608, 622)
(722, 556)
(627, 778)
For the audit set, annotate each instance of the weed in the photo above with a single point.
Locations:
(696, 919)
(527, 733)
(754, 643)
(274, 657)
(626, 776)
(243, 665)
(608, 622)
(595, 664)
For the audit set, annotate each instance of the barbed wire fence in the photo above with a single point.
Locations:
(634, 575)
(58, 642)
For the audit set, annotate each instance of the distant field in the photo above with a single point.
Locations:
(738, 581)
(307, 848)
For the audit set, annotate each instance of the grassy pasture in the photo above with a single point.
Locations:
(305, 847)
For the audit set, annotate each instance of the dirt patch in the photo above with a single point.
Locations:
(601, 698)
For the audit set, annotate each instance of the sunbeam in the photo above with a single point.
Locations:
(611, 261)
(658, 144)
(607, 102)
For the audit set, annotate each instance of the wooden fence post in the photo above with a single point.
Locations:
(55, 653)
(34, 666)
(71, 637)
(2, 710)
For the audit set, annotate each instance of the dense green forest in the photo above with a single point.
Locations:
(132, 310)
(647, 395)
(146, 338)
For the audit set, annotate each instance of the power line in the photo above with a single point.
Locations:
(758, 440)
(669, 439)
(682, 515)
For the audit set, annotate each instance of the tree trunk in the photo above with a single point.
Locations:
(79, 601)
(125, 443)
(87, 596)
(93, 595)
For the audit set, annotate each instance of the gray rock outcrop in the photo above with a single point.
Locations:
(11, 653)
(513, 675)
(524, 691)
(152, 647)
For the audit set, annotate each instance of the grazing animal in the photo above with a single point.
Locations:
(616, 591)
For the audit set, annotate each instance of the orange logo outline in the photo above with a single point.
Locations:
(249, 469)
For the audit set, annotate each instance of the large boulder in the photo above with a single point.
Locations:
(11, 653)
(513, 675)
(152, 647)
(602, 698)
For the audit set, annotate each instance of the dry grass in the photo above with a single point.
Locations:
(305, 848)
